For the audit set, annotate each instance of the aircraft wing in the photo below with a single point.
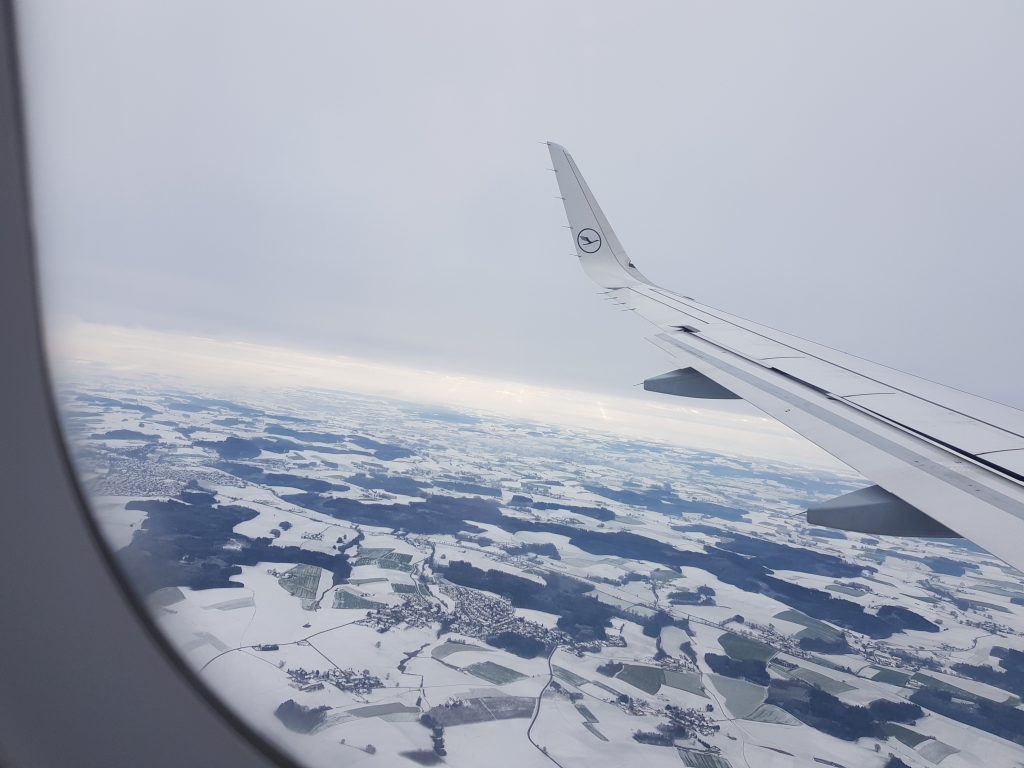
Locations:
(945, 463)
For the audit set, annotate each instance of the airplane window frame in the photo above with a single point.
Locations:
(95, 682)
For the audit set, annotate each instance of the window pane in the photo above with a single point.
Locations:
(369, 448)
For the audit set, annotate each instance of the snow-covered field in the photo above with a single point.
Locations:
(381, 583)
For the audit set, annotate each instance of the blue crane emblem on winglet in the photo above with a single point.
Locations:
(589, 240)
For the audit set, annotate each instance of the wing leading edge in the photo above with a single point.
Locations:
(945, 463)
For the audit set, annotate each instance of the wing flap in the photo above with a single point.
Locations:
(939, 423)
(1011, 461)
(876, 511)
(689, 382)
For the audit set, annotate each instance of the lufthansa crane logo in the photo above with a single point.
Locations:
(589, 240)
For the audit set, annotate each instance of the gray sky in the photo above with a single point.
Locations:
(368, 179)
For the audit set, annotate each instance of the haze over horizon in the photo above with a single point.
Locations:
(240, 370)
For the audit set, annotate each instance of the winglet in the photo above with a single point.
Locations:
(600, 252)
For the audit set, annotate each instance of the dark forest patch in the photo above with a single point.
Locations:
(256, 475)
(828, 714)
(188, 541)
(298, 718)
(743, 669)
(665, 501)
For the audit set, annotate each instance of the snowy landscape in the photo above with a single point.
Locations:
(386, 583)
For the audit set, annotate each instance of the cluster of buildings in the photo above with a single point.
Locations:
(414, 611)
(483, 614)
(137, 473)
(350, 680)
(478, 613)
(693, 720)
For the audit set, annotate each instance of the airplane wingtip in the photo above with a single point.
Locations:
(597, 247)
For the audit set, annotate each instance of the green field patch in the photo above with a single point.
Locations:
(693, 759)
(826, 683)
(741, 697)
(936, 751)
(377, 710)
(962, 693)
(590, 727)
(301, 581)
(844, 590)
(647, 679)
(345, 599)
(745, 648)
(394, 565)
(942, 685)
(818, 633)
(587, 714)
(494, 673)
(403, 589)
(360, 582)
(769, 713)
(903, 734)
(890, 676)
(684, 681)
(662, 575)
(827, 663)
(447, 648)
(812, 627)
(569, 677)
(396, 557)
(369, 553)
